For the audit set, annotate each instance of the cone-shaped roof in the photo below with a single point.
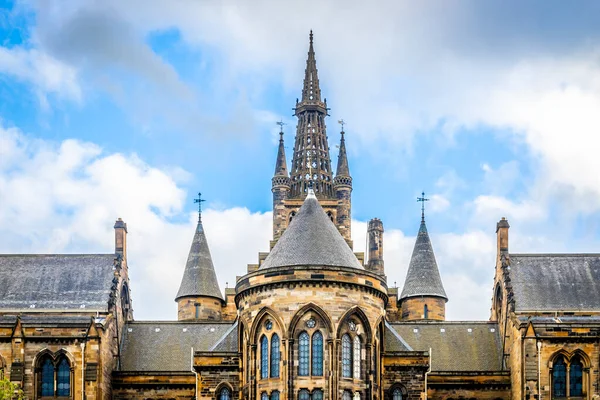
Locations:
(342, 166)
(281, 165)
(423, 276)
(199, 277)
(311, 239)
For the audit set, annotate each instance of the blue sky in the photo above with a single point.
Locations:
(112, 109)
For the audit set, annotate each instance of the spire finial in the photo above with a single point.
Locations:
(311, 37)
(342, 123)
(422, 199)
(199, 201)
(281, 124)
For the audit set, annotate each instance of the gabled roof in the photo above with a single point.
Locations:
(455, 346)
(311, 239)
(555, 282)
(166, 346)
(56, 281)
(423, 276)
(199, 277)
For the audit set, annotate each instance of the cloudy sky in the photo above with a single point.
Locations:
(127, 109)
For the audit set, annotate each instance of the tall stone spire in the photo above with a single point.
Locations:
(423, 295)
(311, 163)
(343, 190)
(280, 187)
(199, 286)
(342, 166)
(281, 164)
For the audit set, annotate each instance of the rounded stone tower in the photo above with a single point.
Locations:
(305, 349)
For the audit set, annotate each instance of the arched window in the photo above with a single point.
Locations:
(317, 354)
(54, 379)
(303, 354)
(559, 377)
(397, 394)
(425, 312)
(303, 394)
(275, 356)
(264, 396)
(576, 377)
(63, 379)
(317, 394)
(356, 357)
(225, 394)
(347, 395)
(275, 395)
(47, 387)
(346, 356)
(264, 357)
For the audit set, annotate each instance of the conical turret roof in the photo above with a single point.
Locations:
(342, 166)
(199, 277)
(311, 239)
(281, 165)
(423, 276)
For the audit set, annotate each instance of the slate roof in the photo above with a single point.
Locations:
(166, 346)
(199, 277)
(311, 239)
(423, 276)
(556, 282)
(393, 341)
(455, 349)
(56, 281)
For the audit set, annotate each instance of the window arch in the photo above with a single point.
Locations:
(397, 394)
(576, 377)
(425, 312)
(54, 376)
(303, 394)
(264, 396)
(225, 394)
(275, 356)
(346, 356)
(317, 394)
(347, 395)
(317, 354)
(264, 357)
(303, 354)
(275, 395)
(356, 357)
(559, 377)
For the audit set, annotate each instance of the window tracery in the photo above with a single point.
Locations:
(303, 354)
(317, 354)
(356, 357)
(264, 357)
(346, 356)
(54, 376)
(275, 356)
(225, 394)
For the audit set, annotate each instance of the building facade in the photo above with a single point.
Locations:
(312, 320)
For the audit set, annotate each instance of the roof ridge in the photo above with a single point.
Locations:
(55, 254)
(555, 254)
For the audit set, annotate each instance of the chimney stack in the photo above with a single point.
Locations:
(121, 238)
(502, 236)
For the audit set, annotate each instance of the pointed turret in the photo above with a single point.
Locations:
(342, 185)
(423, 295)
(281, 164)
(311, 92)
(342, 166)
(280, 187)
(199, 296)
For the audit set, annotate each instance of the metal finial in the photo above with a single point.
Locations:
(199, 200)
(342, 123)
(311, 37)
(422, 199)
(281, 124)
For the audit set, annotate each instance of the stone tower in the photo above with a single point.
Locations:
(423, 295)
(199, 297)
(311, 163)
(375, 246)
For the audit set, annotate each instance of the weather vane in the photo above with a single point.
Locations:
(199, 200)
(281, 124)
(422, 199)
(342, 123)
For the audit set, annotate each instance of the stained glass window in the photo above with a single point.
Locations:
(264, 357)
(47, 378)
(576, 378)
(559, 378)
(264, 396)
(317, 394)
(275, 356)
(275, 395)
(63, 378)
(347, 395)
(303, 354)
(346, 356)
(317, 354)
(303, 394)
(356, 357)
(225, 394)
(397, 394)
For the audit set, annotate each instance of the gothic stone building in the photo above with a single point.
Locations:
(311, 321)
